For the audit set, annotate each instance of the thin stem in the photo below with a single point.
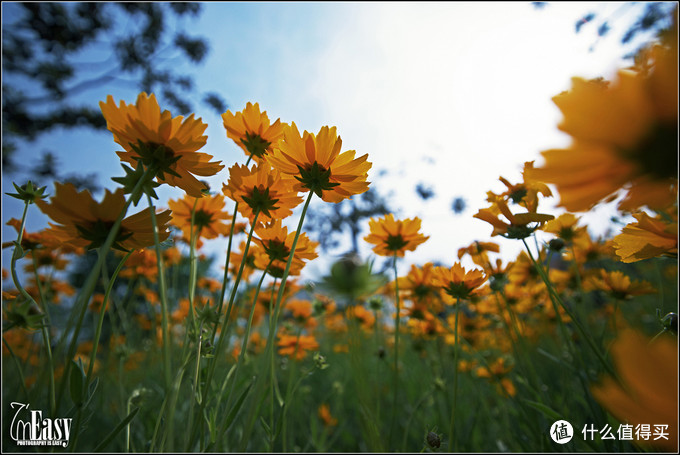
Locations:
(80, 305)
(45, 333)
(452, 431)
(167, 367)
(396, 348)
(556, 298)
(102, 312)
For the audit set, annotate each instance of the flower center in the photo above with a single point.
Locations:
(316, 179)
(202, 219)
(255, 145)
(97, 232)
(395, 242)
(261, 201)
(277, 251)
(158, 157)
(657, 152)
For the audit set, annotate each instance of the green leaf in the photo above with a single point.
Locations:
(234, 410)
(545, 410)
(77, 383)
(116, 430)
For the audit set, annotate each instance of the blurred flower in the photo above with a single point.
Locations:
(625, 135)
(565, 227)
(296, 346)
(648, 238)
(392, 236)
(261, 189)
(158, 140)
(618, 285)
(648, 392)
(318, 166)
(86, 223)
(326, 417)
(209, 216)
(525, 193)
(457, 282)
(251, 130)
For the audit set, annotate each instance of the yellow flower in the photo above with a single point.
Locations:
(519, 224)
(277, 243)
(84, 222)
(457, 282)
(648, 392)
(418, 287)
(261, 189)
(392, 236)
(159, 140)
(618, 285)
(565, 228)
(624, 135)
(318, 166)
(647, 238)
(251, 130)
(210, 218)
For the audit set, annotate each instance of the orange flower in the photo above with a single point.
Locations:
(86, 223)
(207, 212)
(261, 189)
(326, 417)
(277, 244)
(318, 165)
(252, 131)
(648, 392)
(157, 139)
(457, 282)
(625, 135)
(392, 236)
(565, 228)
(648, 238)
(296, 346)
(418, 286)
(519, 224)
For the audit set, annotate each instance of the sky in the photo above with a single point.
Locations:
(451, 95)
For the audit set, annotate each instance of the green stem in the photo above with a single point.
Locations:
(45, 333)
(277, 308)
(452, 433)
(102, 312)
(224, 334)
(556, 299)
(83, 298)
(396, 349)
(167, 367)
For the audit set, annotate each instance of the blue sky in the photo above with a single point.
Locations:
(452, 95)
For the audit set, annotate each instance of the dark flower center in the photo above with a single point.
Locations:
(395, 242)
(97, 232)
(255, 145)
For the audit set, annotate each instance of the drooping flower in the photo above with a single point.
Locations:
(86, 223)
(519, 225)
(648, 392)
(647, 238)
(158, 140)
(252, 131)
(318, 166)
(261, 189)
(392, 236)
(457, 282)
(208, 214)
(625, 136)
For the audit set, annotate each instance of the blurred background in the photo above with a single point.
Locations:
(444, 97)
